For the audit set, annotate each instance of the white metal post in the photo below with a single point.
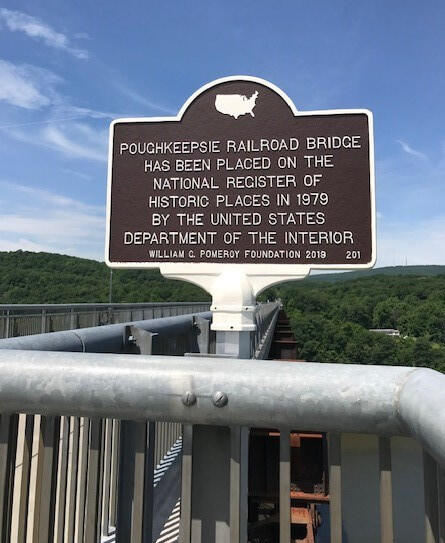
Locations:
(220, 454)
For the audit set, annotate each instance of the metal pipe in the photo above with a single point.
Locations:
(319, 397)
(421, 408)
(100, 339)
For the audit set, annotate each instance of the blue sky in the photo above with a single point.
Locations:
(68, 68)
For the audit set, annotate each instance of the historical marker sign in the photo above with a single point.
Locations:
(242, 177)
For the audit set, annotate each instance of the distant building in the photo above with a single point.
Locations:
(387, 331)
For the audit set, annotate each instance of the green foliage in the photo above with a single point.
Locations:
(331, 315)
(331, 319)
(39, 278)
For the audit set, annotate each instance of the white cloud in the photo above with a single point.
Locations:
(37, 29)
(75, 140)
(41, 220)
(410, 151)
(86, 143)
(26, 86)
(141, 100)
(51, 197)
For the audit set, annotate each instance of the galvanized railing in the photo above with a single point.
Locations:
(385, 430)
(368, 400)
(59, 474)
(25, 319)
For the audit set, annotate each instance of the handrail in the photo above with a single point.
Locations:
(104, 339)
(318, 397)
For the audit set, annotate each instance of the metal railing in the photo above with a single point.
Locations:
(385, 431)
(25, 319)
(58, 474)
(72, 462)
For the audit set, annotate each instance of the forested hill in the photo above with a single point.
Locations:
(331, 320)
(390, 270)
(33, 278)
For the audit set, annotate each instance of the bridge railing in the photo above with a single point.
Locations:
(25, 319)
(385, 430)
(53, 469)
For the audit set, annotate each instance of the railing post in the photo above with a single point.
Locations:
(285, 502)
(8, 445)
(186, 485)
(386, 509)
(72, 319)
(7, 323)
(220, 454)
(441, 476)
(334, 455)
(430, 474)
(43, 322)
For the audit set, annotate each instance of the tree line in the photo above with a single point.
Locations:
(39, 278)
(331, 321)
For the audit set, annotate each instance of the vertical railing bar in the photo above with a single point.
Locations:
(244, 483)
(100, 481)
(107, 477)
(93, 482)
(43, 321)
(7, 323)
(8, 445)
(123, 526)
(335, 487)
(386, 509)
(73, 457)
(147, 527)
(156, 460)
(33, 477)
(160, 438)
(186, 485)
(81, 480)
(431, 499)
(46, 480)
(441, 480)
(164, 440)
(23, 484)
(62, 473)
(18, 479)
(72, 327)
(235, 483)
(139, 430)
(169, 433)
(285, 503)
(114, 471)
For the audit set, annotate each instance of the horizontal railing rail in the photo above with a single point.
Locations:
(102, 339)
(16, 308)
(26, 319)
(318, 397)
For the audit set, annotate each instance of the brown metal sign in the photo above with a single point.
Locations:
(242, 177)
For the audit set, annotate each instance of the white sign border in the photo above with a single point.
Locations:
(282, 271)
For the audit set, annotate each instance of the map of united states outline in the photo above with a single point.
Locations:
(236, 104)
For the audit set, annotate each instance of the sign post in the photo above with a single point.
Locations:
(238, 192)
